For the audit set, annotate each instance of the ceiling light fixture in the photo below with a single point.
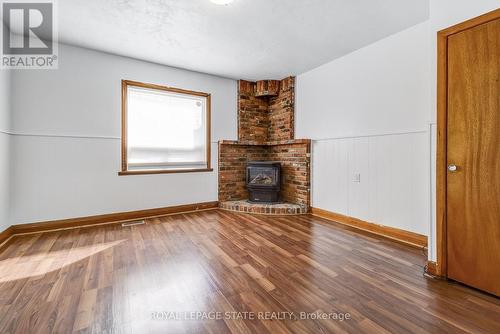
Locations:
(222, 2)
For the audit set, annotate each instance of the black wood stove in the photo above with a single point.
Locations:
(264, 181)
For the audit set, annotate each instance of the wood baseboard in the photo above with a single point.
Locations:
(112, 218)
(6, 235)
(395, 234)
(431, 268)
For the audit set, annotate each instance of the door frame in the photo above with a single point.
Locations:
(440, 267)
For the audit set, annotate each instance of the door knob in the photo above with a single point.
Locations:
(452, 167)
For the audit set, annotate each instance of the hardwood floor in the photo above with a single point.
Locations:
(114, 279)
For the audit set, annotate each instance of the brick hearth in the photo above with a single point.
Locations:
(262, 208)
(265, 132)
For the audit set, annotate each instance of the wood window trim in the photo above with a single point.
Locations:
(124, 167)
(440, 267)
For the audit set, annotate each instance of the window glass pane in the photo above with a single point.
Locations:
(262, 176)
(165, 129)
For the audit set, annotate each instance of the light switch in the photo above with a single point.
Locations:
(356, 177)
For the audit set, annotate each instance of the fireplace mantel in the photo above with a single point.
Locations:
(265, 143)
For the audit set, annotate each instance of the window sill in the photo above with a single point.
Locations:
(146, 172)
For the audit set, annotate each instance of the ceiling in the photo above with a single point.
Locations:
(249, 39)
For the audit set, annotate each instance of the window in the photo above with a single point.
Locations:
(164, 130)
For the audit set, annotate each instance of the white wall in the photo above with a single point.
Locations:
(5, 114)
(66, 150)
(445, 13)
(373, 112)
(382, 88)
(368, 113)
(393, 188)
(4, 149)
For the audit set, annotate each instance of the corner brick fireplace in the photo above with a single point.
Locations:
(265, 133)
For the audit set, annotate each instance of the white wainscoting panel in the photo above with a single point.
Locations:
(393, 185)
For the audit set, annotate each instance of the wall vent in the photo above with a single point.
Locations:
(133, 223)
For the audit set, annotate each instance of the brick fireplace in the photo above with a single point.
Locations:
(266, 133)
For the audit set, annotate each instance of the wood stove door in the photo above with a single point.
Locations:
(262, 176)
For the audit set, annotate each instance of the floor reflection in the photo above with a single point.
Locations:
(44, 262)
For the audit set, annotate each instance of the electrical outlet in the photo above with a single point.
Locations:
(356, 177)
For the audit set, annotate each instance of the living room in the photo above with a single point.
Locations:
(249, 166)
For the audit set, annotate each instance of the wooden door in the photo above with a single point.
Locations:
(473, 131)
